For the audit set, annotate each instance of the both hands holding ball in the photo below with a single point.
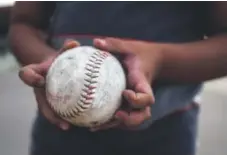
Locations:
(141, 65)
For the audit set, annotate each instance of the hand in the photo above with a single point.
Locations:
(141, 62)
(34, 76)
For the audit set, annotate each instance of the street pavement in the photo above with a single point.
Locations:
(17, 111)
(213, 120)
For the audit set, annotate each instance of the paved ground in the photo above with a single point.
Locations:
(17, 110)
(213, 121)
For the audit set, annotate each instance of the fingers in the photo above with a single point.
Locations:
(69, 44)
(126, 120)
(139, 93)
(112, 124)
(111, 45)
(31, 76)
(134, 118)
(138, 100)
(47, 111)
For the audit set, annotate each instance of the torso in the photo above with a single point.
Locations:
(150, 21)
(153, 21)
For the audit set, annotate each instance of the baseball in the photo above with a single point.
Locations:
(84, 86)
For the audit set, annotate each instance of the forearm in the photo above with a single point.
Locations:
(194, 62)
(28, 44)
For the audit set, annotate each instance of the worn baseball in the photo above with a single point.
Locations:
(84, 86)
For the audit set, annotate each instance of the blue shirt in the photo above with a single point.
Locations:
(172, 22)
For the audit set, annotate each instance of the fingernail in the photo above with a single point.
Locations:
(64, 126)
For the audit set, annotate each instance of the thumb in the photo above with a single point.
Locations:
(112, 45)
(32, 75)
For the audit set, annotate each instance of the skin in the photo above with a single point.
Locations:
(200, 61)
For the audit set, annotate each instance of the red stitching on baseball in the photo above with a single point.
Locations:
(87, 94)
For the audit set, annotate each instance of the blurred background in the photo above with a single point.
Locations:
(17, 105)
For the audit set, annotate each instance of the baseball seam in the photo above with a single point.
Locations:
(92, 70)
